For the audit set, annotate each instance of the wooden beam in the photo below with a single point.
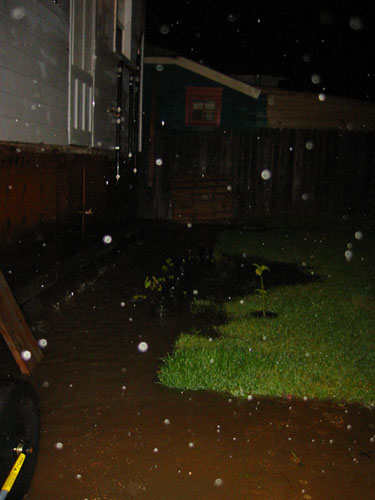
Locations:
(16, 332)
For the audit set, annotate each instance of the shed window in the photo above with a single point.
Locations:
(203, 106)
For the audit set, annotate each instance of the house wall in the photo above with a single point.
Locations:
(239, 112)
(46, 184)
(34, 71)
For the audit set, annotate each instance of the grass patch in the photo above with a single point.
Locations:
(321, 344)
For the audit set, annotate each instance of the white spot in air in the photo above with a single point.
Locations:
(232, 18)
(189, 225)
(156, 450)
(59, 446)
(159, 162)
(356, 23)
(348, 255)
(309, 145)
(315, 78)
(305, 196)
(42, 343)
(18, 13)
(358, 235)
(107, 239)
(191, 445)
(266, 174)
(164, 29)
(229, 188)
(26, 355)
(167, 421)
(195, 292)
(306, 58)
(218, 482)
(122, 304)
(142, 347)
(249, 397)
(159, 67)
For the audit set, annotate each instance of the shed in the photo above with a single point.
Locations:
(209, 137)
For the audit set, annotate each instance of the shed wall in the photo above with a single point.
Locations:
(239, 112)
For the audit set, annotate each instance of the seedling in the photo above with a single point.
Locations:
(262, 291)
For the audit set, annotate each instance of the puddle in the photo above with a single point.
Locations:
(123, 436)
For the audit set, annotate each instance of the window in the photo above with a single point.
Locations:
(123, 34)
(203, 106)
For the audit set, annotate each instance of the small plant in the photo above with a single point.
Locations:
(262, 291)
(157, 283)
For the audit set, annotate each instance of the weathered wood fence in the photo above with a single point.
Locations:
(272, 171)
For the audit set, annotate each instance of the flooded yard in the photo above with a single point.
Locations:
(110, 431)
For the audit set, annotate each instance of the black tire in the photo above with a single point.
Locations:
(19, 423)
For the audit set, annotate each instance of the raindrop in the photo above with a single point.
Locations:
(159, 162)
(42, 343)
(164, 29)
(159, 67)
(358, 235)
(266, 174)
(309, 145)
(78, 476)
(348, 255)
(326, 18)
(142, 347)
(322, 97)
(189, 225)
(122, 304)
(348, 427)
(59, 446)
(191, 445)
(356, 23)
(306, 58)
(218, 482)
(315, 78)
(229, 188)
(156, 450)
(195, 292)
(232, 18)
(18, 13)
(107, 239)
(249, 397)
(26, 355)
(167, 421)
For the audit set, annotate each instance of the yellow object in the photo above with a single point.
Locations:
(7, 486)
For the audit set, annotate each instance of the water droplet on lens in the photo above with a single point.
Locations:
(142, 347)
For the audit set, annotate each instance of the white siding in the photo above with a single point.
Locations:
(34, 42)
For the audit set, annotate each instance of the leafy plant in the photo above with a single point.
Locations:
(262, 291)
(157, 283)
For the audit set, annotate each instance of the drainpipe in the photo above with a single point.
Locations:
(120, 69)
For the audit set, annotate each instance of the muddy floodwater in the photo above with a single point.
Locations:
(110, 431)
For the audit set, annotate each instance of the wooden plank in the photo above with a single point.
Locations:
(15, 330)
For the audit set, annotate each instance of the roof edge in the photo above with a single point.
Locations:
(207, 72)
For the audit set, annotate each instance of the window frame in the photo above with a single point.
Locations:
(122, 36)
(203, 94)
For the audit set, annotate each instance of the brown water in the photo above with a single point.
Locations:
(123, 436)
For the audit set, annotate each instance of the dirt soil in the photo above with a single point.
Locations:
(110, 431)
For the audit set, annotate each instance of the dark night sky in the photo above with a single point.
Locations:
(294, 38)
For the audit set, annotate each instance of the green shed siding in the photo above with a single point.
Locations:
(239, 112)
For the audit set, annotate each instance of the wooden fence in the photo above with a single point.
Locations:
(272, 171)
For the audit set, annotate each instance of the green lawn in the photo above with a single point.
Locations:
(321, 344)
